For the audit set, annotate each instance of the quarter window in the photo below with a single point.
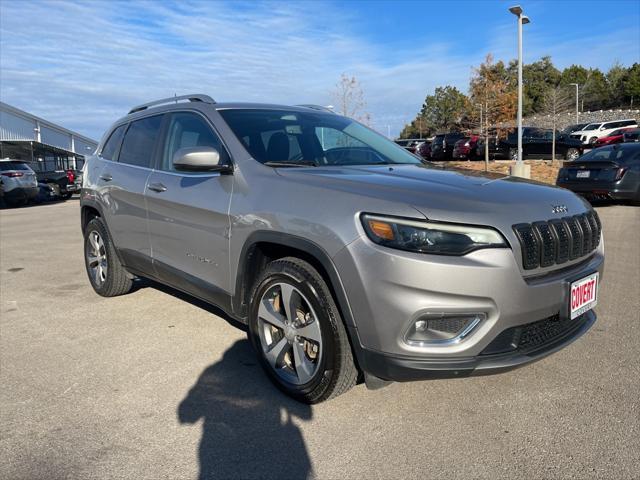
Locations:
(139, 141)
(111, 147)
(188, 130)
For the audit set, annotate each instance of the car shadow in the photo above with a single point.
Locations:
(141, 283)
(248, 427)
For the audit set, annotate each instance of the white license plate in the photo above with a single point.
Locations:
(583, 174)
(584, 295)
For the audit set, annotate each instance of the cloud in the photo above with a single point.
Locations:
(83, 65)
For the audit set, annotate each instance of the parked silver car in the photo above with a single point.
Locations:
(346, 257)
(18, 183)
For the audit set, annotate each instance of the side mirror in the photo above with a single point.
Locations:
(199, 159)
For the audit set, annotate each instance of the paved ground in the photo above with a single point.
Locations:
(151, 386)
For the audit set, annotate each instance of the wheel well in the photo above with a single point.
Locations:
(88, 214)
(259, 254)
(257, 258)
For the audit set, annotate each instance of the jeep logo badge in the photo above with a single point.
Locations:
(559, 209)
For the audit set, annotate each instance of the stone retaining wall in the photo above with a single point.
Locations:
(566, 119)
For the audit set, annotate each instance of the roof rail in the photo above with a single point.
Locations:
(194, 97)
(317, 107)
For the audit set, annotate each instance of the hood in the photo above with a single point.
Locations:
(447, 195)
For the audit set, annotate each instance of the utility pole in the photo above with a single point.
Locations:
(486, 136)
(577, 121)
(519, 169)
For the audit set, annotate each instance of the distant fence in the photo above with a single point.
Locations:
(565, 119)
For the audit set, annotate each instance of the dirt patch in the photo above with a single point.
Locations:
(541, 170)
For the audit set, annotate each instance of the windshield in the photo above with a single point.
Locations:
(592, 126)
(311, 138)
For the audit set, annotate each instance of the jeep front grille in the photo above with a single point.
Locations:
(556, 241)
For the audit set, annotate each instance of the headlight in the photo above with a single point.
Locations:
(428, 237)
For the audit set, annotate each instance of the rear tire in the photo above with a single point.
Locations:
(308, 370)
(572, 154)
(513, 154)
(106, 274)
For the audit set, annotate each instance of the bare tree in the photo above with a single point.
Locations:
(492, 87)
(349, 99)
(556, 101)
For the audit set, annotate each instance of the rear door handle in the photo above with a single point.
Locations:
(157, 187)
(106, 177)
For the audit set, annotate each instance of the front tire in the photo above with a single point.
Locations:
(513, 153)
(106, 274)
(593, 140)
(298, 333)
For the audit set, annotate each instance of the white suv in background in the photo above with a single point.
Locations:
(592, 132)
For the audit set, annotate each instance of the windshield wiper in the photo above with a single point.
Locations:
(290, 163)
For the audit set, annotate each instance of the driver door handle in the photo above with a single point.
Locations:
(157, 187)
(106, 177)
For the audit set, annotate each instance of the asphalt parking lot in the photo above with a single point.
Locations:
(155, 385)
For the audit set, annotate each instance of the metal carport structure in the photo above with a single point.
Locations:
(25, 136)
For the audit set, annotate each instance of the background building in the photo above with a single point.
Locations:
(24, 136)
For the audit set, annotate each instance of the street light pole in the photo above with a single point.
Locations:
(577, 121)
(522, 20)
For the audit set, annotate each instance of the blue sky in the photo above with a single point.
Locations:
(83, 64)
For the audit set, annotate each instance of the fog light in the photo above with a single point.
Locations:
(442, 328)
(421, 325)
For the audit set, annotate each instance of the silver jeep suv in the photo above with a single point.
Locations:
(346, 257)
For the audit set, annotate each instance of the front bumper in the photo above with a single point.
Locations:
(389, 290)
(409, 368)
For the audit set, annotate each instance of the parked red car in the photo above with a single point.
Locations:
(465, 148)
(614, 137)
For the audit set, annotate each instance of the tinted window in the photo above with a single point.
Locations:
(616, 153)
(4, 166)
(188, 130)
(311, 137)
(437, 140)
(138, 143)
(111, 147)
(452, 137)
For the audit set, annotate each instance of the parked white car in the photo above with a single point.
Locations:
(592, 132)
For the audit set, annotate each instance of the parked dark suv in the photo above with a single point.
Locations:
(344, 255)
(610, 172)
(443, 144)
(536, 143)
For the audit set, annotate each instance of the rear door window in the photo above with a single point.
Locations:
(139, 142)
